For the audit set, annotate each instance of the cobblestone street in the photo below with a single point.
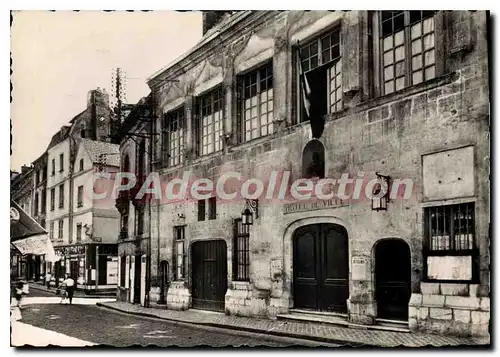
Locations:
(106, 327)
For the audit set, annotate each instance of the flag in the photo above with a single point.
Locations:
(312, 103)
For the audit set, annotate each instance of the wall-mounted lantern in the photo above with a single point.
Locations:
(251, 207)
(379, 203)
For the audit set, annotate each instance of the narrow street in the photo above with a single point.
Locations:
(104, 327)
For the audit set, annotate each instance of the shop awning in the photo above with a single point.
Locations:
(27, 236)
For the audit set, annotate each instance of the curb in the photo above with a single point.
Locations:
(344, 343)
(75, 296)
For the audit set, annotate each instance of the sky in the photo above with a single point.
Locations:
(57, 57)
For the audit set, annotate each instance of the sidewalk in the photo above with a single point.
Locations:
(77, 294)
(352, 337)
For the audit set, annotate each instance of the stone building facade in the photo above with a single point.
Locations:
(403, 95)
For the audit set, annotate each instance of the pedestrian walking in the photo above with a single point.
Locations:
(70, 288)
(19, 293)
(48, 278)
(61, 290)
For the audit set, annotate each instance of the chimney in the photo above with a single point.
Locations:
(100, 96)
(211, 19)
(25, 169)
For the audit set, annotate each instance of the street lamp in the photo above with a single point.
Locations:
(380, 203)
(251, 207)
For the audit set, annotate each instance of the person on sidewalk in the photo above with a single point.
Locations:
(19, 293)
(48, 277)
(69, 283)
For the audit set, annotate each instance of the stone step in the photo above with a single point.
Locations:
(318, 313)
(334, 319)
(316, 318)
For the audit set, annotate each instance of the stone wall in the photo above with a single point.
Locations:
(450, 309)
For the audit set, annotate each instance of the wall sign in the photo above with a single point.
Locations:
(359, 268)
(211, 229)
(449, 268)
(312, 206)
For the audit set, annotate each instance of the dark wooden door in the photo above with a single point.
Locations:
(321, 268)
(209, 274)
(74, 270)
(392, 279)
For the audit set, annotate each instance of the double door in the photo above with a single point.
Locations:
(321, 268)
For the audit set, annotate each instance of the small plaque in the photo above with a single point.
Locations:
(359, 269)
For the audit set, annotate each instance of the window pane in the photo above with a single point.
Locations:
(430, 72)
(416, 47)
(400, 53)
(399, 22)
(400, 69)
(429, 25)
(399, 38)
(429, 57)
(416, 30)
(417, 77)
(400, 83)
(389, 87)
(314, 62)
(326, 56)
(416, 62)
(428, 41)
(388, 58)
(389, 73)
(387, 43)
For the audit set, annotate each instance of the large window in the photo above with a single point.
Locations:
(78, 232)
(80, 196)
(60, 232)
(201, 210)
(450, 228)
(44, 201)
(241, 264)
(212, 208)
(61, 162)
(52, 198)
(257, 105)
(173, 137)
(179, 236)
(210, 124)
(61, 196)
(407, 42)
(450, 251)
(321, 64)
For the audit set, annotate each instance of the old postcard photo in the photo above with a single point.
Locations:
(250, 178)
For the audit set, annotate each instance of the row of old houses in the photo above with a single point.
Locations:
(55, 191)
(317, 94)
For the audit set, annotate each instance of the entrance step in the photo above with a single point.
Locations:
(315, 317)
(396, 325)
(330, 318)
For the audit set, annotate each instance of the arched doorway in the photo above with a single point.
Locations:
(392, 279)
(209, 274)
(321, 268)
